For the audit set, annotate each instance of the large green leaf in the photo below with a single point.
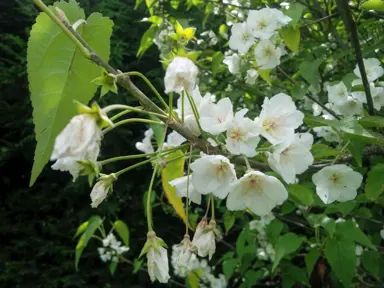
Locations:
(375, 182)
(58, 73)
(341, 256)
(291, 38)
(287, 244)
(295, 11)
(349, 231)
(311, 259)
(300, 194)
(309, 70)
(93, 223)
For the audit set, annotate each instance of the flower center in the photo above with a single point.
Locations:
(237, 134)
(245, 37)
(269, 124)
(221, 169)
(262, 24)
(335, 179)
(255, 183)
(268, 51)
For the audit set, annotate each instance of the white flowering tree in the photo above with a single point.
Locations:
(269, 130)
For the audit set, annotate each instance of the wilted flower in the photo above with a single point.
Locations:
(204, 238)
(101, 189)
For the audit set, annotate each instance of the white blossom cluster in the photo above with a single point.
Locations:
(265, 251)
(111, 249)
(260, 30)
(350, 103)
(207, 279)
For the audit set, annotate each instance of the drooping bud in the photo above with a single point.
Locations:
(187, 249)
(102, 188)
(204, 238)
(157, 258)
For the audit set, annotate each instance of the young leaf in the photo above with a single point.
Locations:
(93, 223)
(342, 258)
(173, 170)
(265, 75)
(123, 231)
(217, 59)
(193, 279)
(291, 38)
(311, 259)
(52, 94)
(229, 220)
(287, 244)
(112, 267)
(147, 40)
(309, 70)
(375, 182)
(377, 5)
(81, 229)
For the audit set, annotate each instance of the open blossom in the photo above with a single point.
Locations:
(337, 183)
(377, 94)
(174, 139)
(213, 174)
(281, 18)
(216, 117)
(241, 38)
(181, 184)
(262, 23)
(146, 144)
(204, 238)
(242, 135)
(251, 76)
(292, 157)
(337, 94)
(279, 118)
(267, 54)
(181, 75)
(157, 262)
(189, 117)
(233, 62)
(79, 141)
(258, 192)
(372, 68)
(349, 108)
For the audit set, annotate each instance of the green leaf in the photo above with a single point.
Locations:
(251, 277)
(341, 256)
(93, 223)
(297, 274)
(311, 259)
(328, 224)
(356, 148)
(348, 231)
(217, 59)
(321, 151)
(193, 279)
(137, 264)
(158, 130)
(344, 208)
(309, 70)
(265, 75)
(146, 40)
(273, 231)
(375, 182)
(287, 244)
(229, 220)
(175, 4)
(301, 194)
(372, 121)
(58, 74)
(123, 231)
(372, 261)
(377, 5)
(295, 11)
(229, 267)
(81, 229)
(112, 267)
(291, 38)
(173, 170)
(297, 92)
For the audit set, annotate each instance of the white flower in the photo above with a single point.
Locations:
(181, 189)
(233, 62)
(79, 141)
(189, 116)
(242, 135)
(262, 23)
(251, 77)
(146, 145)
(157, 262)
(174, 139)
(292, 157)
(350, 107)
(372, 68)
(258, 192)
(267, 55)
(382, 233)
(282, 19)
(101, 189)
(241, 38)
(279, 118)
(213, 174)
(377, 94)
(337, 94)
(337, 183)
(215, 118)
(327, 132)
(181, 75)
(359, 250)
(204, 238)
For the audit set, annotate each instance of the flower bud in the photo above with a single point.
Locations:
(157, 258)
(186, 251)
(101, 189)
(204, 238)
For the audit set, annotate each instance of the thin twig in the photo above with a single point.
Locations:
(350, 26)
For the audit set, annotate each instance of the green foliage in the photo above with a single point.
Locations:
(54, 85)
(375, 182)
(123, 231)
(287, 244)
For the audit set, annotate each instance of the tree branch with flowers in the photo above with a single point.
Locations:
(299, 151)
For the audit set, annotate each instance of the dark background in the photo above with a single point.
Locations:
(37, 224)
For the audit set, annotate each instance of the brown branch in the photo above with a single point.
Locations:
(350, 26)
